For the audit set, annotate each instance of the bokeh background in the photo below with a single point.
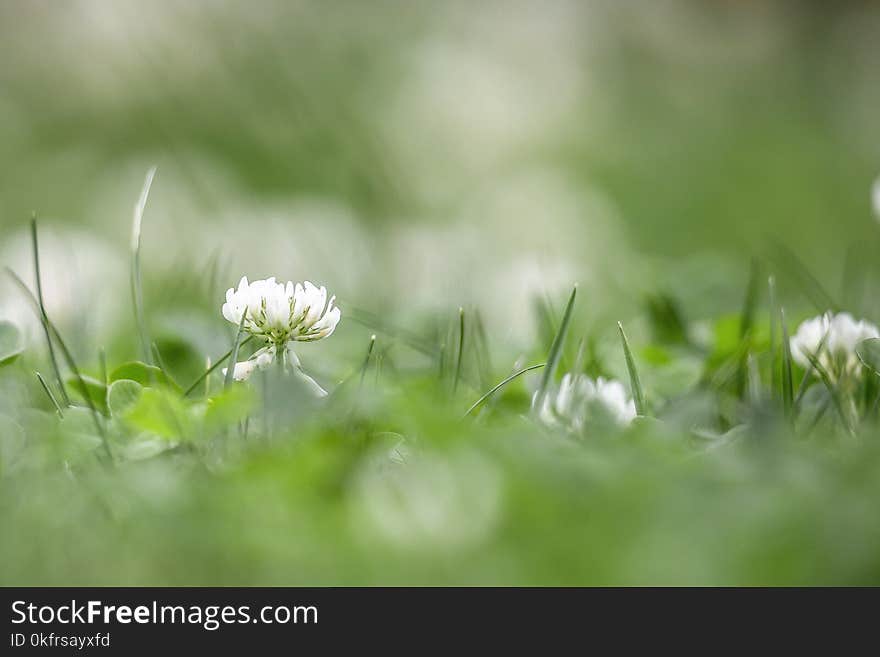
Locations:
(417, 156)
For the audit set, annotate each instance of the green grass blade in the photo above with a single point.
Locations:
(635, 383)
(366, 363)
(71, 364)
(49, 394)
(747, 320)
(460, 351)
(810, 285)
(802, 388)
(787, 380)
(832, 390)
(212, 368)
(44, 318)
(137, 296)
(555, 352)
(774, 313)
(233, 354)
(484, 357)
(500, 385)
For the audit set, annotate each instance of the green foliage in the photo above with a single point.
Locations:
(162, 413)
(94, 389)
(146, 375)
(122, 395)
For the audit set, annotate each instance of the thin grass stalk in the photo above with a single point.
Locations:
(137, 295)
(212, 368)
(500, 385)
(787, 380)
(230, 369)
(49, 394)
(44, 318)
(460, 351)
(555, 352)
(366, 362)
(71, 364)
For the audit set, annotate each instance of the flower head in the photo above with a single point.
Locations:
(278, 314)
(832, 339)
(579, 399)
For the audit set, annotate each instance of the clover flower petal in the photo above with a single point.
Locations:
(832, 339)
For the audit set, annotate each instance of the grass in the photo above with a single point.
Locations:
(399, 480)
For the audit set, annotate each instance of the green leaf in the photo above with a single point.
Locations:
(12, 443)
(11, 343)
(869, 353)
(79, 436)
(146, 375)
(229, 407)
(122, 395)
(162, 413)
(95, 389)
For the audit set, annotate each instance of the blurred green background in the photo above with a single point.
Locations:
(416, 157)
(524, 145)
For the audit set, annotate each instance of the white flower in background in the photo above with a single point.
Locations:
(278, 314)
(833, 339)
(578, 399)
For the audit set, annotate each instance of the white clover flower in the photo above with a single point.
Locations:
(278, 314)
(261, 360)
(579, 399)
(837, 336)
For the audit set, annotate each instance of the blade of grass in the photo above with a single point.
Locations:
(233, 354)
(44, 318)
(832, 389)
(634, 383)
(754, 387)
(802, 388)
(367, 358)
(555, 352)
(102, 360)
(484, 358)
(49, 394)
(460, 350)
(500, 385)
(137, 296)
(811, 286)
(774, 313)
(747, 320)
(410, 338)
(160, 363)
(212, 368)
(787, 381)
(71, 364)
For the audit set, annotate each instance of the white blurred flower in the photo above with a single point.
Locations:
(261, 360)
(833, 340)
(579, 399)
(278, 314)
